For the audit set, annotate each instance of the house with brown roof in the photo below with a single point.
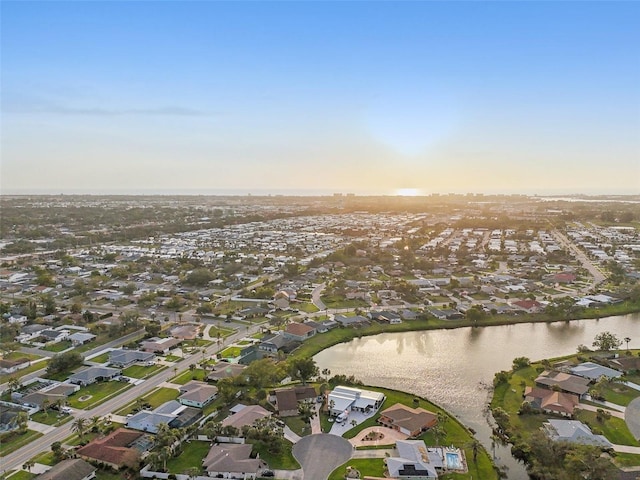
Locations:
(197, 394)
(529, 306)
(71, 469)
(287, 399)
(551, 401)
(410, 421)
(299, 331)
(564, 382)
(247, 416)
(12, 366)
(116, 450)
(232, 461)
(159, 345)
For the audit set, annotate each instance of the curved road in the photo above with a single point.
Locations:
(632, 417)
(320, 454)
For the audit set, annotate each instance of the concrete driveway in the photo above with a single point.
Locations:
(320, 454)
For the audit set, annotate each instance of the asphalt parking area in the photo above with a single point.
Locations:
(320, 454)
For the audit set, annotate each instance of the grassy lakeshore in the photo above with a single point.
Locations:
(317, 343)
(520, 425)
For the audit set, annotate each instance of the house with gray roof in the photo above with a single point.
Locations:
(225, 370)
(80, 338)
(197, 394)
(124, 358)
(232, 461)
(94, 374)
(573, 431)
(593, 371)
(71, 469)
(172, 413)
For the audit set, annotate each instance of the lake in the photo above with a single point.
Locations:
(453, 367)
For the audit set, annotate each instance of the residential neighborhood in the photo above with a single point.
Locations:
(137, 348)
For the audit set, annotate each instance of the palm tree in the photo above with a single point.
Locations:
(193, 472)
(14, 384)
(45, 405)
(627, 340)
(28, 465)
(475, 448)
(95, 423)
(79, 426)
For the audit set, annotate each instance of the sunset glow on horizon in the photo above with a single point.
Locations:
(533, 97)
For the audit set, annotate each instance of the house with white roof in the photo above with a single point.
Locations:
(343, 399)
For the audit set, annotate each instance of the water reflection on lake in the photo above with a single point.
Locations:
(451, 367)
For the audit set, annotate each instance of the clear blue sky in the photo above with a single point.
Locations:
(335, 96)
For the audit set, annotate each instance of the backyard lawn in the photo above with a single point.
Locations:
(281, 461)
(154, 399)
(374, 467)
(192, 455)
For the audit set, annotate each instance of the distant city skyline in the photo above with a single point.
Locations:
(364, 97)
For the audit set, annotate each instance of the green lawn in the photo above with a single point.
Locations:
(230, 352)
(191, 456)
(22, 475)
(142, 371)
(160, 396)
(282, 461)
(58, 347)
(52, 417)
(298, 426)
(103, 358)
(186, 377)
(306, 307)
(172, 358)
(45, 458)
(155, 399)
(615, 429)
(100, 392)
(626, 459)
(374, 467)
(619, 394)
(14, 441)
(18, 355)
(107, 475)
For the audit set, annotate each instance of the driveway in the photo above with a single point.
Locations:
(321, 454)
(632, 417)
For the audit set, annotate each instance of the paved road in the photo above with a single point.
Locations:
(597, 275)
(632, 417)
(42, 444)
(112, 344)
(321, 454)
(315, 297)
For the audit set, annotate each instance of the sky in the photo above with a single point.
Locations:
(320, 96)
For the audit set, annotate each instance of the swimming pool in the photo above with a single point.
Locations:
(453, 461)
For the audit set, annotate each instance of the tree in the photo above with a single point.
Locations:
(28, 465)
(152, 329)
(475, 448)
(64, 362)
(521, 362)
(303, 369)
(22, 419)
(14, 384)
(58, 450)
(627, 340)
(606, 341)
(306, 411)
(79, 426)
